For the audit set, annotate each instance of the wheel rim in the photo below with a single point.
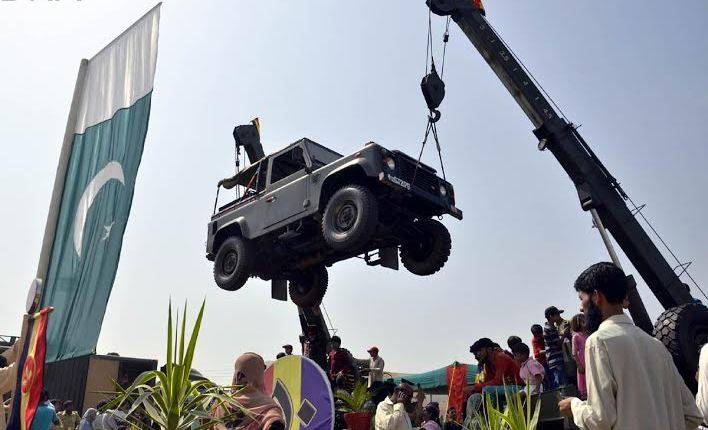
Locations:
(230, 263)
(422, 249)
(345, 217)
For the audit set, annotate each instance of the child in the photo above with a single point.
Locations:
(530, 370)
(577, 325)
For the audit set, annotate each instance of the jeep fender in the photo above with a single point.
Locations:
(237, 226)
(358, 170)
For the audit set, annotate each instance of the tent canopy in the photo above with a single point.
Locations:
(436, 380)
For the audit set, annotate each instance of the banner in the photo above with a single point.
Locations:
(109, 132)
(30, 372)
(303, 392)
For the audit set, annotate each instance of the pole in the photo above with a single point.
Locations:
(58, 191)
(636, 305)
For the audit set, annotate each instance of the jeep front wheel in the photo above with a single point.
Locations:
(232, 265)
(308, 287)
(428, 251)
(350, 218)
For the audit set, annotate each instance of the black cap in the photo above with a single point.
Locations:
(552, 310)
(484, 342)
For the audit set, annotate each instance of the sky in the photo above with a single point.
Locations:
(345, 73)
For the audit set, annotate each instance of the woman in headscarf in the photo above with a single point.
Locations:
(88, 419)
(260, 412)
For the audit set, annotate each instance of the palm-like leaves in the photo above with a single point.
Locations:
(355, 401)
(516, 416)
(169, 398)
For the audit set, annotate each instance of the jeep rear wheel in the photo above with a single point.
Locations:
(428, 252)
(308, 287)
(232, 265)
(350, 218)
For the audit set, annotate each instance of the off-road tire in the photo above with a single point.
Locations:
(308, 287)
(350, 218)
(429, 252)
(683, 330)
(232, 265)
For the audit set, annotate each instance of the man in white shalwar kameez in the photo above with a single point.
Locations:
(631, 379)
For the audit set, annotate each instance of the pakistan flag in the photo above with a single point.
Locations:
(111, 109)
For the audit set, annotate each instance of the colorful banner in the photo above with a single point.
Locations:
(303, 392)
(109, 133)
(456, 383)
(30, 365)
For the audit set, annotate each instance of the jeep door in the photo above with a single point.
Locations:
(288, 193)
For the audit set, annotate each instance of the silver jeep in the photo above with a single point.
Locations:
(307, 207)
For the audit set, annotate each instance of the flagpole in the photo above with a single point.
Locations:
(64, 157)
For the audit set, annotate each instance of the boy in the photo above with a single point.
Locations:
(530, 370)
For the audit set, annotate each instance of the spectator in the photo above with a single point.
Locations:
(631, 379)
(554, 346)
(538, 345)
(392, 412)
(451, 420)
(88, 419)
(501, 374)
(8, 378)
(340, 363)
(69, 417)
(571, 369)
(280, 355)
(702, 376)
(288, 349)
(259, 410)
(431, 417)
(577, 324)
(531, 371)
(511, 341)
(376, 366)
(45, 416)
(58, 408)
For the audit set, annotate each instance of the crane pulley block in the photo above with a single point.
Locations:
(433, 89)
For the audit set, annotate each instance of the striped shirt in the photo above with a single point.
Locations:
(554, 353)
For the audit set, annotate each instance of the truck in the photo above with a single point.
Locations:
(305, 207)
(683, 326)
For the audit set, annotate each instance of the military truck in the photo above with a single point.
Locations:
(306, 207)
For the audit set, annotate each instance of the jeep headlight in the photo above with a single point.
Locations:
(388, 161)
(443, 190)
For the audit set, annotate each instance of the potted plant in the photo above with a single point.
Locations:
(353, 404)
(169, 399)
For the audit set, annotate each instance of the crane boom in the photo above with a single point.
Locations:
(596, 187)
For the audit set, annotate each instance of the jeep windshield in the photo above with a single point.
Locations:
(320, 155)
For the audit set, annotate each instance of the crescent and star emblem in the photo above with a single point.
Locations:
(112, 171)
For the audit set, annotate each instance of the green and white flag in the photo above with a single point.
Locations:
(112, 111)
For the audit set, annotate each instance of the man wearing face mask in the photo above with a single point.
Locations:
(632, 382)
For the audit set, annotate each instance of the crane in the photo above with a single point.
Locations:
(683, 326)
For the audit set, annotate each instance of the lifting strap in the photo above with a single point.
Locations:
(433, 89)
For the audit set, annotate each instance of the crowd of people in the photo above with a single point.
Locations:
(609, 373)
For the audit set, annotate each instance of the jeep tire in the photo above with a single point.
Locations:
(428, 252)
(308, 287)
(350, 218)
(232, 265)
(683, 330)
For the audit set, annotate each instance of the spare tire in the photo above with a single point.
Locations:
(350, 218)
(683, 330)
(232, 265)
(308, 287)
(428, 252)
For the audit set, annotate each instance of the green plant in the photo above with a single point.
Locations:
(354, 401)
(169, 399)
(517, 414)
